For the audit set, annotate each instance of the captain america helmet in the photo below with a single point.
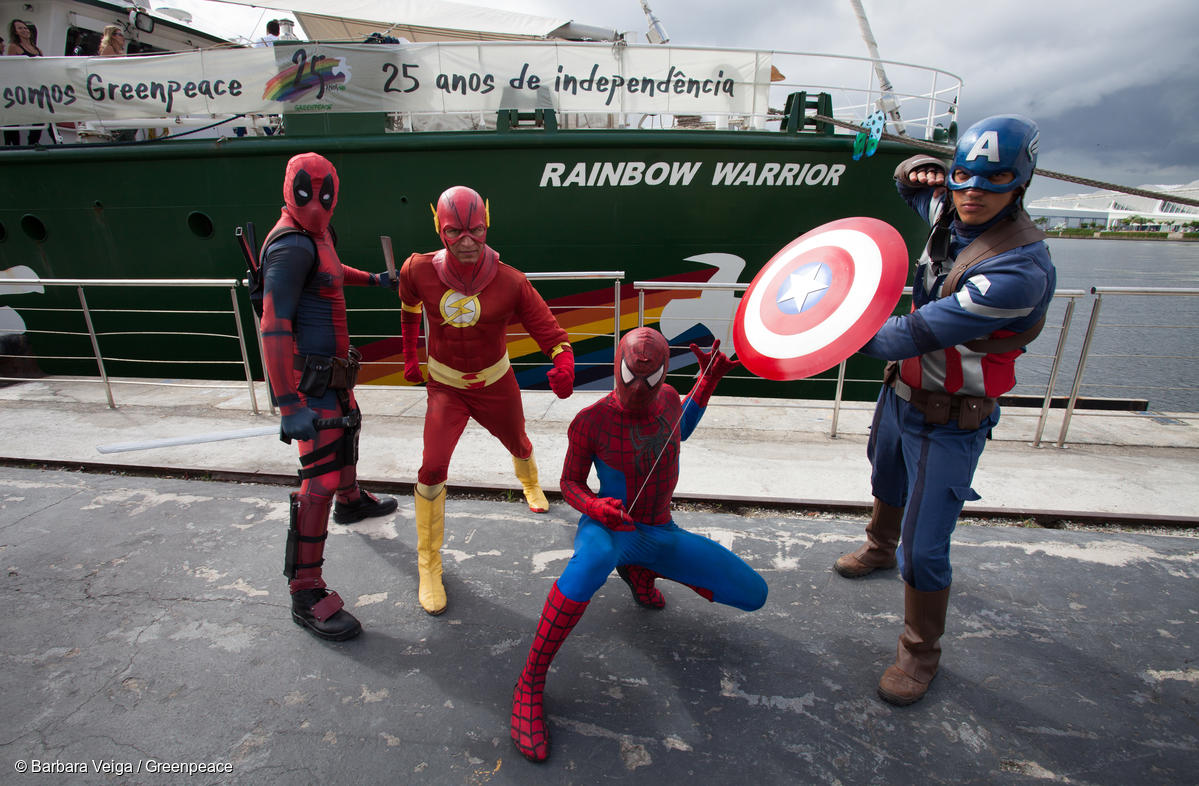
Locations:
(995, 146)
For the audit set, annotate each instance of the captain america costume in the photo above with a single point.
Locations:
(982, 287)
(632, 438)
(1003, 296)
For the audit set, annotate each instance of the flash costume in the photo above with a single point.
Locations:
(470, 306)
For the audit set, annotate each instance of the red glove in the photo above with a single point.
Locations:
(409, 338)
(562, 376)
(610, 512)
(714, 365)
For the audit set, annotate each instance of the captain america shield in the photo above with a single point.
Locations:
(820, 299)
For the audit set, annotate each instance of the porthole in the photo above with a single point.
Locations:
(200, 224)
(33, 226)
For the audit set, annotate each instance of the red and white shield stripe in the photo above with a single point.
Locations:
(819, 299)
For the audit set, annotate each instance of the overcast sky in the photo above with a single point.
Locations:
(1112, 85)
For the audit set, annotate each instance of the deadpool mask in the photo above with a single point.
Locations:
(310, 191)
(641, 362)
(461, 213)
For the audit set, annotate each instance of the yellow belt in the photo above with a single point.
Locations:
(466, 380)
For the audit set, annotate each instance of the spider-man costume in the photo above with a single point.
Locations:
(632, 438)
(471, 297)
(311, 367)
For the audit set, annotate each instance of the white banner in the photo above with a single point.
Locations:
(418, 78)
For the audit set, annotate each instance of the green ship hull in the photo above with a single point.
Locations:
(654, 205)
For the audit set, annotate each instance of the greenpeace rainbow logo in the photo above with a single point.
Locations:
(306, 75)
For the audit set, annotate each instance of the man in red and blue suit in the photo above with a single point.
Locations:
(632, 438)
(312, 369)
(980, 294)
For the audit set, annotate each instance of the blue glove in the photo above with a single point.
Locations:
(300, 424)
(385, 279)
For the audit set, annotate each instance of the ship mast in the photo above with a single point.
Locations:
(886, 101)
(656, 33)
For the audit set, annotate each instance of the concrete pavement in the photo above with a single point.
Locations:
(146, 632)
(1138, 467)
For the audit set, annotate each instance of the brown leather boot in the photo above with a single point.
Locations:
(906, 681)
(878, 552)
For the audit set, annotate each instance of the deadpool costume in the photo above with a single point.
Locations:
(471, 297)
(312, 369)
(632, 438)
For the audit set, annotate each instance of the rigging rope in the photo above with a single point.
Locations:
(947, 151)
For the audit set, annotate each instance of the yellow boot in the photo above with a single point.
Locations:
(526, 473)
(430, 532)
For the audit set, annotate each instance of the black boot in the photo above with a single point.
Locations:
(366, 506)
(309, 604)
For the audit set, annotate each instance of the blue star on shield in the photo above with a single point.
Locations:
(804, 288)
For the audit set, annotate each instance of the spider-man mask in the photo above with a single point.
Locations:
(310, 191)
(641, 361)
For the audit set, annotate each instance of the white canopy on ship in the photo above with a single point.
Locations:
(425, 20)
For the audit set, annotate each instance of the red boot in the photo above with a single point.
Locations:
(641, 582)
(558, 618)
(313, 607)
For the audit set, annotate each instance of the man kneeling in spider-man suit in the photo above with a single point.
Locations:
(632, 438)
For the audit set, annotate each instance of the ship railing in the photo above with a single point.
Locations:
(92, 325)
(919, 101)
(1167, 339)
(1042, 391)
(584, 326)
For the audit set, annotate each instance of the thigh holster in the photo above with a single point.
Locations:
(339, 453)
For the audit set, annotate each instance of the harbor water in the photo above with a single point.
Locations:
(1143, 345)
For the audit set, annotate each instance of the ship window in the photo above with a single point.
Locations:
(33, 226)
(199, 224)
(84, 42)
(3, 233)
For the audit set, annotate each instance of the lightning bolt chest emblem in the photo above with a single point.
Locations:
(459, 310)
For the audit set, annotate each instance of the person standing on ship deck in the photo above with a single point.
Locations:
(22, 40)
(312, 370)
(980, 294)
(472, 297)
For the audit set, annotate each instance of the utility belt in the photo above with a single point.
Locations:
(319, 373)
(940, 408)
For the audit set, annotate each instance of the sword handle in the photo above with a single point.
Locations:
(323, 423)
